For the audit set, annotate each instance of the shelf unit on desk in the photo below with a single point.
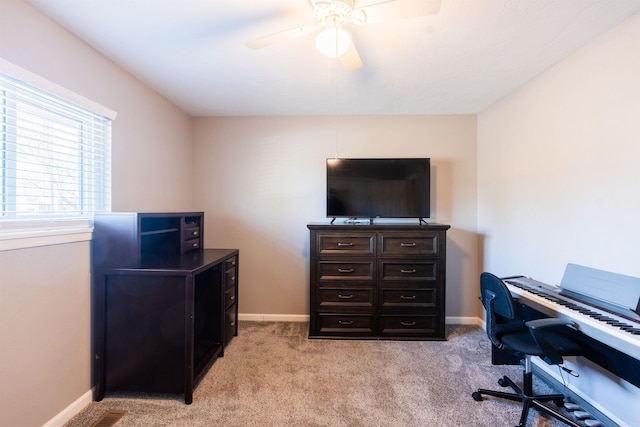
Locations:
(164, 309)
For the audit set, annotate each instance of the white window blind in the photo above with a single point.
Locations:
(55, 155)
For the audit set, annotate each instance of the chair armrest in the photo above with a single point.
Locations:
(537, 327)
(548, 322)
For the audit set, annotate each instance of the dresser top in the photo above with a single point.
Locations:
(366, 225)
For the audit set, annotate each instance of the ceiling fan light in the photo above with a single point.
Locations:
(333, 42)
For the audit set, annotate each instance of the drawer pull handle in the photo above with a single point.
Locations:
(408, 323)
(342, 245)
(195, 245)
(345, 296)
(345, 322)
(345, 270)
(407, 297)
(408, 271)
(233, 323)
(195, 233)
(232, 297)
(408, 245)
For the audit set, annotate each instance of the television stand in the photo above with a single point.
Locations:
(377, 281)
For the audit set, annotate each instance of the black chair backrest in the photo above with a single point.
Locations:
(499, 306)
(492, 287)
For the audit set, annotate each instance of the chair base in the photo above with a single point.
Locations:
(528, 399)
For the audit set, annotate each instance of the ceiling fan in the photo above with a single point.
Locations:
(332, 15)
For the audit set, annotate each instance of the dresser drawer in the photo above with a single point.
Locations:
(408, 297)
(190, 232)
(230, 263)
(408, 324)
(345, 297)
(230, 278)
(348, 324)
(229, 297)
(192, 244)
(230, 325)
(408, 271)
(407, 244)
(346, 243)
(346, 271)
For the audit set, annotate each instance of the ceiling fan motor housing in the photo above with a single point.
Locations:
(336, 12)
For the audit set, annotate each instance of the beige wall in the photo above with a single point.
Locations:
(44, 292)
(558, 171)
(559, 182)
(44, 332)
(261, 180)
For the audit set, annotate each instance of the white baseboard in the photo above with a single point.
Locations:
(455, 320)
(70, 411)
(255, 317)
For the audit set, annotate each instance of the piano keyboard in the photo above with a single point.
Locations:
(613, 330)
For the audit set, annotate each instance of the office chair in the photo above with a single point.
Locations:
(548, 338)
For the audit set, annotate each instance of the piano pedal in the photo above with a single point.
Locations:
(581, 415)
(570, 406)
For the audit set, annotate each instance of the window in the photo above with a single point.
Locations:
(55, 157)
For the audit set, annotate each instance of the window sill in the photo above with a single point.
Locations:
(22, 239)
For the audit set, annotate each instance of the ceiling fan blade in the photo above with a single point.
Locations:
(387, 10)
(351, 59)
(281, 36)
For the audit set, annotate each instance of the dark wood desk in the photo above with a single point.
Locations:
(163, 316)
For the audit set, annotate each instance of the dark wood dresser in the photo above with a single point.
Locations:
(377, 281)
(164, 308)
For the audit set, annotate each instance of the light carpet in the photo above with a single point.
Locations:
(273, 375)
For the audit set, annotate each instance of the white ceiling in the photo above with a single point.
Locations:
(459, 61)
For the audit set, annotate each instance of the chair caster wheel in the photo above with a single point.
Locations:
(503, 383)
(476, 396)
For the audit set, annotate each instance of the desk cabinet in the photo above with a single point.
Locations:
(164, 308)
(377, 281)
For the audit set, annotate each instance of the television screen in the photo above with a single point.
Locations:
(378, 188)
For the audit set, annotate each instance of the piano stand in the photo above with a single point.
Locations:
(614, 361)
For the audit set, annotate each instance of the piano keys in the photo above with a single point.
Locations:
(612, 329)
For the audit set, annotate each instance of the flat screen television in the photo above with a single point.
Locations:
(378, 188)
